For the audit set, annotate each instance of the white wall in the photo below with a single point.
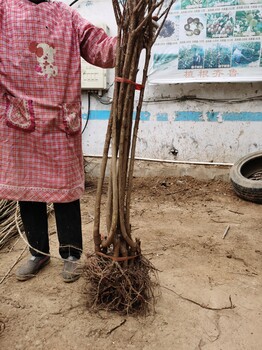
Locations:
(207, 131)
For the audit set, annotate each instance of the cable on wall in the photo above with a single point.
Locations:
(72, 3)
(88, 112)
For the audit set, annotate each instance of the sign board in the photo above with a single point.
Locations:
(209, 41)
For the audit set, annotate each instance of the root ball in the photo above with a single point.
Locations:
(129, 290)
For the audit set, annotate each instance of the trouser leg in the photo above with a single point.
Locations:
(34, 218)
(69, 228)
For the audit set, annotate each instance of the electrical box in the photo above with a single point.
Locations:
(92, 77)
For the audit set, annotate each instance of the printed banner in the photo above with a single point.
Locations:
(209, 41)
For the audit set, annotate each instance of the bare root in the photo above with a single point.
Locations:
(126, 290)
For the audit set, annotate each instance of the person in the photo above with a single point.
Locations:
(41, 160)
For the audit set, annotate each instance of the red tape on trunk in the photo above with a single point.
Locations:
(124, 80)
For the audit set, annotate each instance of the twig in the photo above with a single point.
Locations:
(236, 212)
(232, 256)
(182, 190)
(218, 221)
(231, 306)
(13, 246)
(2, 326)
(226, 232)
(114, 328)
(11, 268)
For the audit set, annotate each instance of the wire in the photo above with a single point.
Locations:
(88, 113)
(188, 98)
(72, 3)
(203, 99)
(101, 100)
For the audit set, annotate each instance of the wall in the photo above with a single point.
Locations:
(208, 122)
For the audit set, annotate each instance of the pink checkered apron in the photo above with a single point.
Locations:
(40, 98)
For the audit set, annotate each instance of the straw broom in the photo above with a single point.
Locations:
(10, 221)
(8, 224)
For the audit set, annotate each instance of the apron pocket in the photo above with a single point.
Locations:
(20, 114)
(72, 117)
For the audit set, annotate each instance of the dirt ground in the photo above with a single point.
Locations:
(211, 287)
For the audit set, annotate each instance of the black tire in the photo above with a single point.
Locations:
(246, 177)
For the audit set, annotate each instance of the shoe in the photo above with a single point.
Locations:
(31, 267)
(72, 270)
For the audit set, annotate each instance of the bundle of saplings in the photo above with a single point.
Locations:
(119, 277)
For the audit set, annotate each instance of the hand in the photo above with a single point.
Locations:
(155, 24)
(147, 37)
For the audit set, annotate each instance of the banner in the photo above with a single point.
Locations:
(209, 41)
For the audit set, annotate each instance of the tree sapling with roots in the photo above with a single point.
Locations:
(119, 276)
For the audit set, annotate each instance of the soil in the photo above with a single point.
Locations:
(211, 283)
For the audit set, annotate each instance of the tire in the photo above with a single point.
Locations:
(246, 177)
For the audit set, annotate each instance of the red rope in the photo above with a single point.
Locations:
(124, 80)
